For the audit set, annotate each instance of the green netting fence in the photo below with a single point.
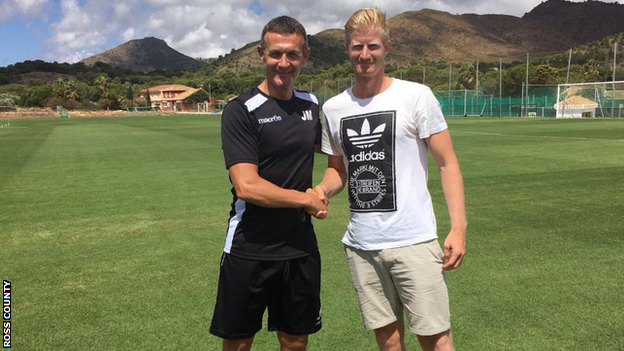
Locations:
(535, 101)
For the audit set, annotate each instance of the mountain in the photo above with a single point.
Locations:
(327, 49)
(554, 26)
(581, 21)
(430, 35)
(145, 55)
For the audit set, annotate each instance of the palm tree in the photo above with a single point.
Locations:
(59, 88)
(468, 75)
(101, 82)
(71, 90)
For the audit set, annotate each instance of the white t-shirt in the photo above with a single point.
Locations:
(381, 141)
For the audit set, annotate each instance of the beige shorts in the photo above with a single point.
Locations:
(391, 280)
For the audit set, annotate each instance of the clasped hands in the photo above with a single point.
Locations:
(318, 202)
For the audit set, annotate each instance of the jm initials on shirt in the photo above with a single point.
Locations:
(369, 143)
(307, 115)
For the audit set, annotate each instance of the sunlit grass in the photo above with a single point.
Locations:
(112, 230)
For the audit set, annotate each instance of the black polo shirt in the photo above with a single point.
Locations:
(278, 136)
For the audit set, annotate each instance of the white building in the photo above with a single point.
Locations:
(576, 107)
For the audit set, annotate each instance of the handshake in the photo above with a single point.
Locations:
(316, 204)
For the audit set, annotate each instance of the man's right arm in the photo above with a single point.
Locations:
(240, 150)
(334, 179)
(250, 187)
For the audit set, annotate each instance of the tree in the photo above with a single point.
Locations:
(111, 102)
(65, 93)
(59, 89)
(148, 98)
(129, 93)
(102, 82)
(590, 71)
(36, 96)
(197, 97)
(489, 83)
(8, 99)
(545, 74)
(14, 89)
(468, 75)
(513, 78)
(71, 90)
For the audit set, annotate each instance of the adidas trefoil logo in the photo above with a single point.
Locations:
(365, 138)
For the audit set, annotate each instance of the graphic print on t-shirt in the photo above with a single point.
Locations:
(368, 141)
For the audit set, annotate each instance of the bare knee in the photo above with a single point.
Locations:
(391, 337)
(438, 342)
(289, 342)
(237, 344)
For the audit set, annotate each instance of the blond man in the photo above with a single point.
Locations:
(377, 134)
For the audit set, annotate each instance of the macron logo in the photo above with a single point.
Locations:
(307, 115)
(365, 138)
(270, 120)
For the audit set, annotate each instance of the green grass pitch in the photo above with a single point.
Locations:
(111, 231)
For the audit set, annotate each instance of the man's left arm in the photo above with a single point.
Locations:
(442, 151)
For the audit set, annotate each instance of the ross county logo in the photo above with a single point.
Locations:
(307, 115)
(365, 138)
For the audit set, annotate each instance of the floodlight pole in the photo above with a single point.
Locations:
(614, 59)
(423, 75)
(569, 61)
(450, 65)
(522, 100)
(449, 88)
(526, 95)
(465, 97)
(566, 87)
(613, 86)
(477, 76)
(557, 107)
(500, 86)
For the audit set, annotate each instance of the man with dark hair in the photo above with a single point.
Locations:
(284, 25)
(271, 259)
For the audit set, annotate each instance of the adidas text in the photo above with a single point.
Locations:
(368, 156)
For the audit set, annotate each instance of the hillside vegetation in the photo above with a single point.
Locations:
(426, 47)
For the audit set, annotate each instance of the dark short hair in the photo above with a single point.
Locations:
(284, 25)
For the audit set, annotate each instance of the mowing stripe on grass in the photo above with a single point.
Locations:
(534, 136)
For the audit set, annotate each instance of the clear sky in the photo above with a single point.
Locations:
(70, 30)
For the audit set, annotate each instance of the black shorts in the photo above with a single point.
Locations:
(290, 289)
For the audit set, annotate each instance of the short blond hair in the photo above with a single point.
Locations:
(367, 17)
